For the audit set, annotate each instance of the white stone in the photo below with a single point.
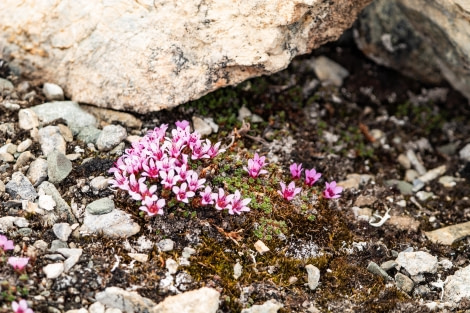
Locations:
(72, 255)
(127, 301)
(140, 257)
(116, 224)
(237, 270)
(27, 119)
(195, 301)
(329, 71)
(313, 276)
(96, 307)
(99, 183)
(261, 247)
(21, 222)
(171, 266)
(62, 230)
(111, 136)
(24, 145)
(53, 270)
(53, 92)
(458, 285)
(464, 153)
(51, 139)
(270, 306)
(201, 127)
(417, 262)
(180, 50)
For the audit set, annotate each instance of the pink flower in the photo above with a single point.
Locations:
(21, 307)
(214, 150)
(198, 151)
(150, 168)
(222, 201)
(143, 192)
(194, 183)
(152, 205)
(206, 196)
(290, 192)
(296, 170)
(238, 205)
(6, 244)
(181, 193)
(255, 166)
(182, 124)
(183, 172)
(17, 262)
(158, 133)
(311, 177)
(166, 164)
(332, 191)
(169, 179)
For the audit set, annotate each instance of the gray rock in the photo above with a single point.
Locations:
(40, 245)
(72, 255)
(458, 285)
(6, 86)
(270, 306)
(62, 231)
(404, 187)
(417, 262)
(23, 159)
(195, 301)
(25, 232)
(377, 270)
(329, 71)
(70, 111)
(410, 154)
(110, 137)
(100, 206)
(58, 244)
(404, 282)
(424, 195)
(313, 276)
(21, 222)
(53, 92)
(58, 167)
(116, 224)
(126, 301)
(99, 183)
(20, 187)
(200, 126)
(423, 39)
(53, 270)
(411, 175)
(450, 234)
(404, 161)
(64, 210)
(89, 134)
(166, 245)
(24, 145)
(37, 172)
(51, 139)
(28, 119)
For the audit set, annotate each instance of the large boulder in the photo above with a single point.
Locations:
(146, 55)
(424, 39)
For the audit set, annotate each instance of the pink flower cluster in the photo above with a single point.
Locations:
(162, 164)
(311, 177)
(18, 264)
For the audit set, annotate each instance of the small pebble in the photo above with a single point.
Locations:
(54, 270)
(261, 247)
(237, 270)
(166, 245)
(53, 92)
(404, 282)
(24, 145)
(62, 231)
(313, 276)
(171, 266)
